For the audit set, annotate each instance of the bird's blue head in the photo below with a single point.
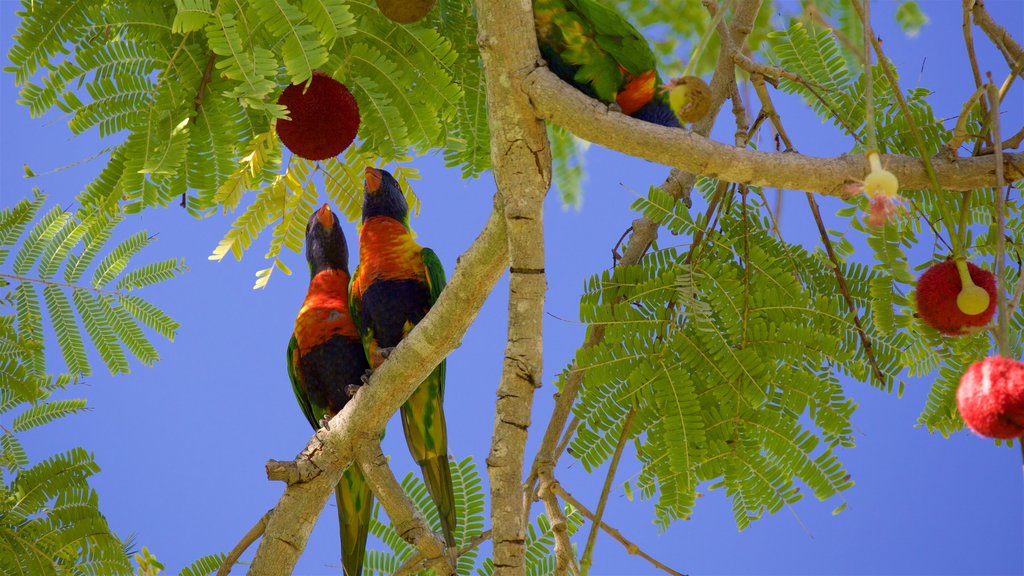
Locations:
(382, 196)
(326, 248)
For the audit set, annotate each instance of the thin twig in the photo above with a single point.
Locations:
(1015, 140)
(403, 514)
(415, 563)
(969, 45)
(812, 13)
(960, 130)
(1003, 323)
(769, 109)
(1011, 50)
(845, 290)
(588, 551)
(255, 532)
(565, 559)
(775, 72)
(631, 547)
(570, 431)
(49, 283)
(915, 132)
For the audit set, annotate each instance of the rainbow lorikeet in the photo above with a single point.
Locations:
(598, 51)
(395, 284)
(325, 360)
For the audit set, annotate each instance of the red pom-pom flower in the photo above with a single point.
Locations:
(991, 397)
(324, 118)
(937, 292)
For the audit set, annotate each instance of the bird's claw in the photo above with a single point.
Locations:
(380, 355)
(351, 389)
(365, 378)
(614, 107)
(325, 422)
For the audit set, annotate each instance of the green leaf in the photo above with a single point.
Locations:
(45, 413)
(69, 337)
(151, 274)
(192, 15)
(911, 18)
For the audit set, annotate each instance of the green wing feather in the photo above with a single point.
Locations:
(312, 414)
(436, 281)
(616, 36)
(423, 420)
(355, 311)
(596, 39)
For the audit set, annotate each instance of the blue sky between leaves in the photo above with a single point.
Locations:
(182, 445)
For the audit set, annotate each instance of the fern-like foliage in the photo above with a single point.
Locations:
(567, 164)
(188, 90)
(469, 510)
(539, 545)
(49, 517)
(283, 206)
(837, 97)
(728, 354)
(52, 257)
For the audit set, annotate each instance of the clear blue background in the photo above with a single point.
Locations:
(182, 445)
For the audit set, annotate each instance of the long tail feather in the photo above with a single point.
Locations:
(438, 478)
(355, 504)
(427, 436)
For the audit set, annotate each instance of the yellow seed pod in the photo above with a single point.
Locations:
(972, 300)
(689, 98)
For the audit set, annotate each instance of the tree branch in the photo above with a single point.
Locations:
(565, 559)
(588, 550)
(690, 152)
(331, 451)
(402, 512)
(631, 547)
(255, 532)
(416, 562)
(521, 161)
(1009, 47)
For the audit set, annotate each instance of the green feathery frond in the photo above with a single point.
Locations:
(110, 318)
(204, 566)
(763, 326)
(567, 165)
(469, 509)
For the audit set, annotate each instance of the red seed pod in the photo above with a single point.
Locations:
(405, 11)
(991, 397)
(937, 290)
(324, 118)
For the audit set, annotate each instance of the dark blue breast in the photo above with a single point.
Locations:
(389, 304)
(328, 368)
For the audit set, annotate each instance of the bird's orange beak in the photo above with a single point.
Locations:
(373, 178)
(324, 216)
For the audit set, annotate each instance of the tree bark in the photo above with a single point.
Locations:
(690, 152)
(521, 162)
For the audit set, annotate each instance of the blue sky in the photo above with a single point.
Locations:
(182, 445)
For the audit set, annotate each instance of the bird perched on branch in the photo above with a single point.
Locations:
(325, 361)
(598, 51)
(395, 284)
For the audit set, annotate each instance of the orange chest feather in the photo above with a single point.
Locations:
(324, 313)
(387, 251)
(637, 93)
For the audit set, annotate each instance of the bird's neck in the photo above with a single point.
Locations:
(328, 288)
(387, 250)
(324, 313)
